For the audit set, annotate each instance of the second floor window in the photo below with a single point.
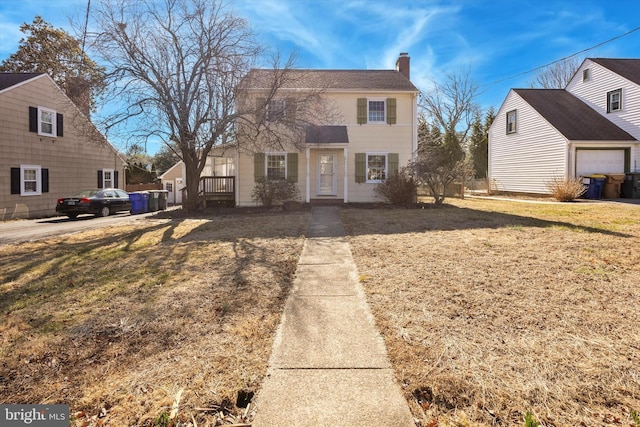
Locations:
(276, 110)
(376, 112)
(614, 100)
(46, 122)
(511, 121)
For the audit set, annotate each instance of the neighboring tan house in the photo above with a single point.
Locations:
(373, 132)
(590, 127)
(48, 148)
(172, 182)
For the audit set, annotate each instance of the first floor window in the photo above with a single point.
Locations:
(376, 167)
(107, 178)
(30, 180)
(276, 166)
(511, 121)
(614, 100)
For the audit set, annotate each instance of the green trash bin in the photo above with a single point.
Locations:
(631, 186)
(153, 200)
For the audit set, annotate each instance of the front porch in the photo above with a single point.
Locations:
(217, 191)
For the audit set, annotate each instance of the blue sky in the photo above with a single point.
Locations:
(495, 39)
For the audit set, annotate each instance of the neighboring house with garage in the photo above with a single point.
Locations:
(590, 127)
(48, 148)
(372, 131)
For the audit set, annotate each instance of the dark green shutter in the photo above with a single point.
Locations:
(44, 173)
(362, 111)
(100, 179)
(258, 166)
(394, 162)
(15, 180)
(115, 179)
(292, 167)
(361, 167)
(391, 111)
(290, 111)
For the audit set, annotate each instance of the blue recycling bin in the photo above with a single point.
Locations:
(139, 202)
(595, 184)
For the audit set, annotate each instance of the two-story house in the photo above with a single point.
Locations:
(590, 127)
(372, 132)
(48, 148)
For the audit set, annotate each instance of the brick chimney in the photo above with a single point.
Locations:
(402, 64)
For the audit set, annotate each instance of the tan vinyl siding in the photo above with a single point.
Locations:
(363, 138)
(72, 160)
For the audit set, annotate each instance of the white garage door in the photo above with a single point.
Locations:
(599, 161)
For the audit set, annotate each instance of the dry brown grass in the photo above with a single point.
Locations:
(490, 309)
(115, 322)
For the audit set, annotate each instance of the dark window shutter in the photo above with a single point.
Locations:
(115, 179)
(260, 109)
(33, 119)
(99, 179)
(290, 109)
(45, 180)
(393, 163)
(258, 166)
(362, 111)
(361, 167)
(391, 111)
(59, 124)
(292, 167)
(15, 180)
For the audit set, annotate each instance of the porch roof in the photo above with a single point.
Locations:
(326, 135)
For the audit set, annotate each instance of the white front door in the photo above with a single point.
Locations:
(327, 174)
(178, 190)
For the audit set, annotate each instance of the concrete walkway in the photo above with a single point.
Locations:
(329, 365)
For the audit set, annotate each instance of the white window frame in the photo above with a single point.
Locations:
(386, 166)
(384, 110)
(514, 128)
(105, 180)
(38, 180)
(266, 164)
(54, 130)
(610, 95)
(277, 107)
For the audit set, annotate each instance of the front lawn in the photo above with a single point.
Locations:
(127, 323)
(492, 309)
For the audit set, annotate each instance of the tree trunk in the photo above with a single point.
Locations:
(193, 184)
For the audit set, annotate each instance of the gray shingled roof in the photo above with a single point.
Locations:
(627, 68)
(10, 79)
(571, 117)
(363, 80)
(326, 135)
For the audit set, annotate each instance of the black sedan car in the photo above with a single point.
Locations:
(101, 202)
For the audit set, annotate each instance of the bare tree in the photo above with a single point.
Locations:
(556, 75)
(450, 108)
(181, 69)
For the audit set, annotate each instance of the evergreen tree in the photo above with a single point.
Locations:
(50, 50)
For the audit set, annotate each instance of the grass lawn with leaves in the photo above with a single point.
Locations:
(126, 323)
(493, 309)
